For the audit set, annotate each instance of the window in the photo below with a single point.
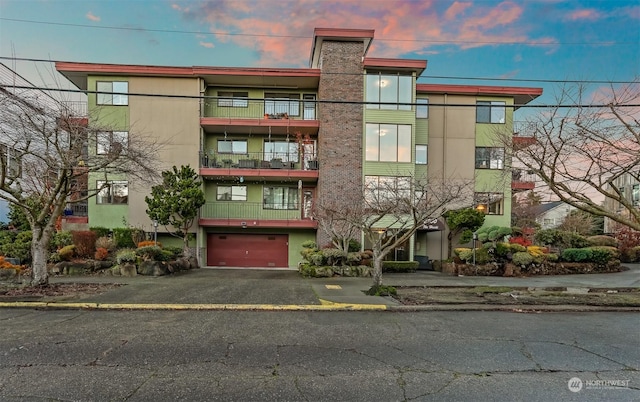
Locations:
(275, 103)
(388, 142)
(380, 190)
(112, 93)
(280, 198)
(111, 141)
(232, 193)
(10, 161)
(490, 203)
(233, 99)
(635, 194)
(422, 109)
(489, 158)
(385, 91)
(421, 154)
(285, 150)
(232, 146)
(490, 112)
(113, 192)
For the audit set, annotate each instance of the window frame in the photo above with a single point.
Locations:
(376, 186)
(376, 95)
(374, 132)
(233, 99)
(233, 196)
(113, 95)
(290, 155)
(285, 203)
(281, 103)
(103, 147)
(493, 157)
(497, 112)
(426, 154)
(110, 193)
(422, 108)
(492, 203)
(233, 150)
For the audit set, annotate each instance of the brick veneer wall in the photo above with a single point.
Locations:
(340, 134)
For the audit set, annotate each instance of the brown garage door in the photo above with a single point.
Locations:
(247, 250)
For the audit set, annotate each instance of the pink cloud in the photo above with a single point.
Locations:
(208, 45)
(282, 34)
(587, 14)
(92, 17)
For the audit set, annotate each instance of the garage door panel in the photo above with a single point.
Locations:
(247, 250)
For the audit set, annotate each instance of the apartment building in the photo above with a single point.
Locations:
(270, 143)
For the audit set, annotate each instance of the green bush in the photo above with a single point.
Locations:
(577, 254)
(354, 258)
(106, 243)
(309, 244)
(317, 258)
(522, 258)
(126, 255)
(502, 250)
(122, 238)
(18, 246)
(548, 237)
(100, 231)
(602, 240)
(603, 254)
(574, 240)
(61, 239)
(176, 252)
(552, 257)
(150, 253)
(381, 290)
(333, 256)
(517, 248)
(400, 266)
(54, 257)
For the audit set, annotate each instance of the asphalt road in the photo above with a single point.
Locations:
(317, 356)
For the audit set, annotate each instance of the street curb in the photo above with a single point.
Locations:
(175, 307)
(514, 308)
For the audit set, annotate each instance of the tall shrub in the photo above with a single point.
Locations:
(85, 242)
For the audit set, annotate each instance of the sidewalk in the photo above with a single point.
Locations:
(258, 289)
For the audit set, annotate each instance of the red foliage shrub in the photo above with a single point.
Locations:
(627, 240)
(523, 241)
(101, 253)
(148, 243)
(85, 242)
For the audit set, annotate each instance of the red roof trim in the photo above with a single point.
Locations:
(477, 90)
(395, 63)
(344, 33)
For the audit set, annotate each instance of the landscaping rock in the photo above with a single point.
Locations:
(8, 273)
(128, 269)
(153, 268)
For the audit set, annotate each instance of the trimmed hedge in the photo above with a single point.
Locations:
(400, 266)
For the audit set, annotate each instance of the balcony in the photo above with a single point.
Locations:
(522, 180)
(523, 134)
(253, 215)
(263, 165)
(263, 116)
(76, 213)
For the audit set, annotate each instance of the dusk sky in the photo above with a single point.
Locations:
(544, 40)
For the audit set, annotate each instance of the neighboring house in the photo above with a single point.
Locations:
(629, 186)
(271, 142)
(552, 214)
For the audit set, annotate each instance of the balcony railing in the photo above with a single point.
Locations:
(242, 108)
(259, 160)
(77, 209)
(250, 211)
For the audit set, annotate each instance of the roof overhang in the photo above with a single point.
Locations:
(78, 73)
(521, 95)
(396, 64)
(338, 35)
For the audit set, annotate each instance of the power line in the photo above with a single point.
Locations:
(422, 77)
(317, 101)
(426, 41)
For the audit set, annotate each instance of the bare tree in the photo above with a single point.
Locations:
(581, 153)
(45, 162)
(391, 209)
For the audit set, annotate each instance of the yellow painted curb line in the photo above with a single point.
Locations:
(325, 306)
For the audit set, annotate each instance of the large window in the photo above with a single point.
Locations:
(635, 194)
(489, 158)
(231, 193)
(280, 198)
(388, 143)
(287, 151)
(490, 203)
(279, 104)
(232, 146)
(421, 154)
(233, 99)
(490, 112)
(380, 190)
(422, 109)
(10, 161)
(113, 192)
(391, 92)
(111, 141)
(112, 93)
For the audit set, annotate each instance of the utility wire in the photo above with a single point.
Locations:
(427, 41)
(422, 77)
(317, 101)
